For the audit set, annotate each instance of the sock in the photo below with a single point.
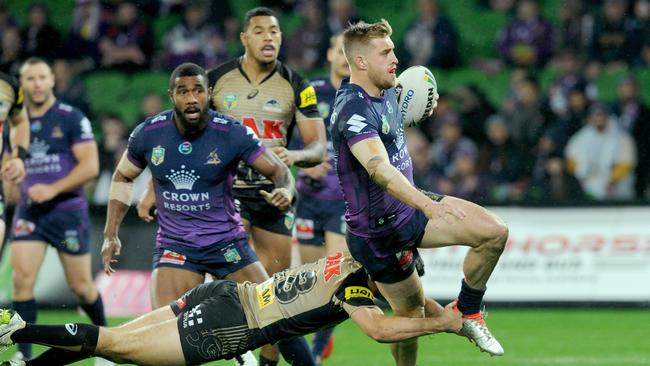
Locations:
(27, 310)
(266, 362)
(56, 356)
(296, 352)
(95, 311)
(83, 336)
(469, 299)
(321, 338)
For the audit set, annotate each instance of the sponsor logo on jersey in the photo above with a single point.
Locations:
(71, 328)
(304, 229)
(231, 255)
(57, 133)
(332, 266)
(307, 97)
(157, 155)
(385, 126)
(389, 107)
(289, 219)
(355, 123)
(71, 240)
(265, 294)
(358, 291)
(181, 303)
(169, 256)
(193, 317)
(185, 148)
(36, 125)
(38, 149)
(323, 109)
(253, 94)
(405, 258)
(24, 227)
(230, 101)
(213, 158)
(272, 105)
(183, 179)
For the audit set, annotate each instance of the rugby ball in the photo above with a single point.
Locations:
(416, 89)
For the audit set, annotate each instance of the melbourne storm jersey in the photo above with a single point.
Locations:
(11, 100)
(51, 158)
(326, 188)
(370, 211)
(270, 108)
(300, 300)
(193, 177)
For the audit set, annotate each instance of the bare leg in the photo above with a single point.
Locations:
(168, 284)
(273, 249)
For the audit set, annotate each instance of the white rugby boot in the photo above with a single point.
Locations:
(10, 322)
(475, 329)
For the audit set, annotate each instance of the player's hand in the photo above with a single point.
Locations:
(279, 197)
(285, 155)
(319, 171)
(144, 207)
(451, 320)
(111, 246)
(436, 211)
(14, 170)
(435, 103)
(40, 193)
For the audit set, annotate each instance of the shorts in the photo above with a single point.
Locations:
(261, 214)
(212, 324)
(219, 260)
(314, 217)
(391, 258)
(67, 231)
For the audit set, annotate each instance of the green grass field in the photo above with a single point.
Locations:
(530, 337)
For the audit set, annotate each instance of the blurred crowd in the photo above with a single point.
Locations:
(552, 145)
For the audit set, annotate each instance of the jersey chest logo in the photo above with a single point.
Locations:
(182, 179)
(157, 155)
(271, 129)
(213, 158)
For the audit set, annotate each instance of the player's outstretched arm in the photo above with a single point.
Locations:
(314, 152)
(119, 200)
(14, 169)
(372, 155)
(278, 172)
(382, 328)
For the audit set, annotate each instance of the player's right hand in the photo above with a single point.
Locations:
(319, 171)
(451, 319)
(14, 170)
(436, 211)
(111, 246)
(144, 208)
(279, 197)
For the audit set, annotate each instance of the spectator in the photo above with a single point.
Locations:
(570, 66)
(82, 44)
(40, 38)
(308, 44)
(501, 6)
(500, 159)
(194, 39)
(576, 25)
(68, 87)
(152, 104)
(577, 112)
(634, 118)
(223, 16)
(6, 20)
(419, 148)
(556, 185)
(341, 13)
(602, 156)
(474, 109)
(127, 44)
(465, 182)
(528, 40)
(616, 40)
(642, 15)
(431, 126)
(113, 144)
(431, 39)
(12, 52)
(450, 143)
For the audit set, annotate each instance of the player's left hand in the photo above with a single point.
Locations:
(14, 170)
(435, 103)
(279, 197)
(40, 193)
(285, 155)
(111, 246)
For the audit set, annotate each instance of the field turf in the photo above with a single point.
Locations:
(530, 338)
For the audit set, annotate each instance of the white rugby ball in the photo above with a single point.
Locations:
(416, 88)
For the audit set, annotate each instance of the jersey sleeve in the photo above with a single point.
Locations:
(135, 149)
(250, 147)
(355, 122)
(354, 293)
(80, 130)
(305, 98)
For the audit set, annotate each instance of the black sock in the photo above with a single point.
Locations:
(95, 311)
(266, 362)
(296, 352)
(27, 311)
(81, 336)
(56, 356)
(469, 299)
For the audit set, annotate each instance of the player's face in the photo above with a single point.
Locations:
(336, 57)
(382, 62)
(262, 39)
(37, 81)
(191, 97)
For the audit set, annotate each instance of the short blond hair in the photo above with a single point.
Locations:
(361, 33)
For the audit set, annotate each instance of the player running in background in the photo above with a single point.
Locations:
(320, 211)
(193, 154)
(16, 141)
(388, 218)
(52, 209)
(221, 319)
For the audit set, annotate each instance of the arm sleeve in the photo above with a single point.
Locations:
(135, 148)
(355, 122)
(244, 139)
(81, 130)
(305, 98)
(354, 293)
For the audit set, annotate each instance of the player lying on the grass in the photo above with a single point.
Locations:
(222, 319)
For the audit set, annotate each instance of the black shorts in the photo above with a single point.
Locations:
(315, 216)
(212, 324)
(260, 213)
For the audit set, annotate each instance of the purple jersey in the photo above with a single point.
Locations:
(193, 178)
(326, 188)
(50, 153)
(370, 211)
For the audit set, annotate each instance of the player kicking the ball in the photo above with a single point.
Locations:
(388, 218)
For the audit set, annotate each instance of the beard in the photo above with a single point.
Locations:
(192, 127)
(381, 80)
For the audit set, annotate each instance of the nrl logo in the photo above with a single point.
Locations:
(157, 155)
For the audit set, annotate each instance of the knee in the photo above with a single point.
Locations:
(497, 236)
(81, 288)
(22, 279)
(413, 311)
